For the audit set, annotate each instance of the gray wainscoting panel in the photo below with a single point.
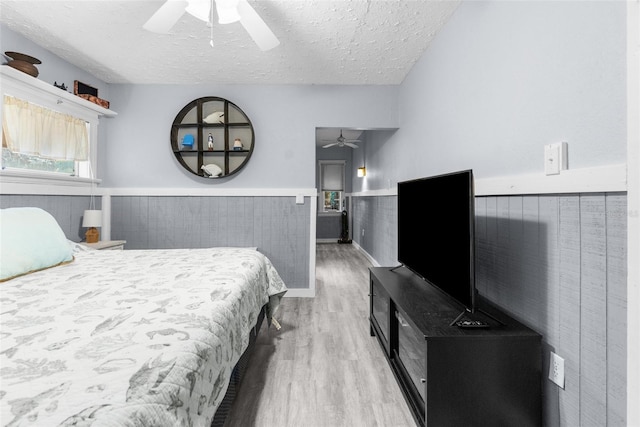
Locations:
(378, 217)
(616, 320)
(67, 210)
(328, 227)
(568, 345)
(558, 264)
(275, 225)
(593, 310)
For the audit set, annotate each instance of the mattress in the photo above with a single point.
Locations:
(129, 338)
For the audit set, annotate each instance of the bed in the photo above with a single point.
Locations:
(127, 338)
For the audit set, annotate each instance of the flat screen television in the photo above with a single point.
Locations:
(436, 233)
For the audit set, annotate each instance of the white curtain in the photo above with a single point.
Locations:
(32, 129)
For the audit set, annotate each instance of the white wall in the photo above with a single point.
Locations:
(53, 68)
(503, 79)
(633, 219)
(138, 153)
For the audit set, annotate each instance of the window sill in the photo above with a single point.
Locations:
(335, 213)
(16, 181)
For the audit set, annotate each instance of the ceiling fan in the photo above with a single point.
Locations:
(228, 11)
(341, 141)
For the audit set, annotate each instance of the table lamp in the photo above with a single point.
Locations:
(92, 219)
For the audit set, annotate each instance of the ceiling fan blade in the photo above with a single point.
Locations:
(352, 140)
(256, 27)
(166, 17)
(351, 145)
(330, 145)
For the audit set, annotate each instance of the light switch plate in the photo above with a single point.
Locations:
(300, 199)
(551, 159)
(555, 158)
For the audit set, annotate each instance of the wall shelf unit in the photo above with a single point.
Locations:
(29, 87)
(217, 119)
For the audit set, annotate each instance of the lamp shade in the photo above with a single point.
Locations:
(92, 218)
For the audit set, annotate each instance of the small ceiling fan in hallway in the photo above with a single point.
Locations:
(341, 141)
(228, 11)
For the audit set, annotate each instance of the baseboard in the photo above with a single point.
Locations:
(366, 254)
(334, 240)
(300, 293)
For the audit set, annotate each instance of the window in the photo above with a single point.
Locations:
(331, 185)
(36, 138)
(49, 136)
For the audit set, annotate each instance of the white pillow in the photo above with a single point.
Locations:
(212, 169)
(30, 240)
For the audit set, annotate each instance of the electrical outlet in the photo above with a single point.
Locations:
(556, 369)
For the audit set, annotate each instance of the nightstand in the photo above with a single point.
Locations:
(110, 245)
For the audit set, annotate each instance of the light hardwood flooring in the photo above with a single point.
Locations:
(322, 368)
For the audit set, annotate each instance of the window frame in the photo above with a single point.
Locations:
(30, 89)
(321, 191)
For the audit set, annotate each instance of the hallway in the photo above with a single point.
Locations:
(323, 369)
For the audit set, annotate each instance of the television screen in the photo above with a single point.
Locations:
(436, 240)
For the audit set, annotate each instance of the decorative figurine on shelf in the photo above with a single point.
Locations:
(187, 142)
(60, 86)
(237, 144)
(211, 170)
(215, 117)
(210, 142)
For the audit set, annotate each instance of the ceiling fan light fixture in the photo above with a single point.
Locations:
(199, 8)
(227, 11)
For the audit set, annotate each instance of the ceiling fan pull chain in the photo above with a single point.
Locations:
(228, 11)
(211, 23)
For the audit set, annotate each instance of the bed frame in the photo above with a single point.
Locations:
(237, 375)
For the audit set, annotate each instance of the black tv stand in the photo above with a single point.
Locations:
(453, 376)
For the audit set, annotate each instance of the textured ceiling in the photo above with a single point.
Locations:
(321, 42)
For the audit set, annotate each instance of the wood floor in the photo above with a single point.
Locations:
(322, 368)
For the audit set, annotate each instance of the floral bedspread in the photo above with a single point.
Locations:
(129, 338)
